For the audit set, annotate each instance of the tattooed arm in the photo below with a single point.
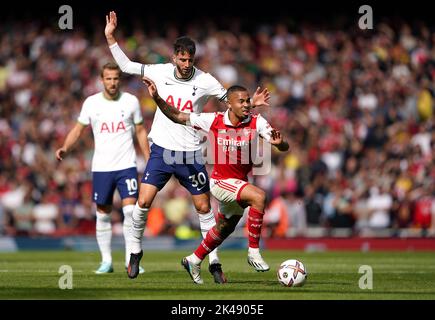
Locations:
(172, 113)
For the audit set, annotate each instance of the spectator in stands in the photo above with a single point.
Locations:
(358, 110)
(46, 214)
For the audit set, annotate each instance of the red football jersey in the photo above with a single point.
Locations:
(233, 147)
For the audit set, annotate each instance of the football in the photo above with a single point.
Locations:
(292, 273)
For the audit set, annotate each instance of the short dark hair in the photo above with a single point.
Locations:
(235, 88)
(184, 44)
(110, 66)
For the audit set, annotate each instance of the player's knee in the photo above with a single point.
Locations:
(144, 203)
(203, 207)
(259, 200)
(104, 208)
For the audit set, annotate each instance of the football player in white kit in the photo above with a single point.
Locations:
(114, 116)
(176, 149)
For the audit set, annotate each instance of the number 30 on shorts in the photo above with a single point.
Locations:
(200, 179)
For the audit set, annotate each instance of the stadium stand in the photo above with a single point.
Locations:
(357, 106)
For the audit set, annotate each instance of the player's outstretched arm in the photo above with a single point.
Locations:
(71, 138)
(120, 57)
(278, 140)
(172, 113)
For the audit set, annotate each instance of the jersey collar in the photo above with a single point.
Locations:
(227, 121)
(184, 79)
(117, 98)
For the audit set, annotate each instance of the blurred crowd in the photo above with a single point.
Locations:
(357, 107)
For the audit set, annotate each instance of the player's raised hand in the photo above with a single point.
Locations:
(152, 89)
(261, 98)
(111, 23)
(275, 137)
(60, 153)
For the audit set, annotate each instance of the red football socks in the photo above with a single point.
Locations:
(255, 221)
(211, 241)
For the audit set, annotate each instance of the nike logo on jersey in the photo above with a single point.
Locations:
(169, 84)
(130, 193)
(199, 189)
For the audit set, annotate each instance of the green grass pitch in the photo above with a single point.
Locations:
(331, 275)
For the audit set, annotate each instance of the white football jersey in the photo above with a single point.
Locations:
(188, 95)
(113, 124)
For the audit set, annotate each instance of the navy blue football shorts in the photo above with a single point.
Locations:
(187, 166)
(105, 183)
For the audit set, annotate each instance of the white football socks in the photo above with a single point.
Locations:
(139, 219)
(206, 222)
(194, 259)
(128, 212)
(104, 235)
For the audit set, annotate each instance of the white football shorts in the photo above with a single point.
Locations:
(227, 192)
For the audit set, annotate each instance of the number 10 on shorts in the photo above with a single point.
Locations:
(131, 186)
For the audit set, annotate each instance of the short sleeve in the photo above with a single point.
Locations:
(202, 121)
(264, 129)
(84, 116)
(216, 89)
(152, 71)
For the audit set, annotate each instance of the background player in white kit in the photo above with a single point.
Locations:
(187, 88)
(114, 116)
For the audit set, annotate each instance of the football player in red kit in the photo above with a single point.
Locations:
(233, 134)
